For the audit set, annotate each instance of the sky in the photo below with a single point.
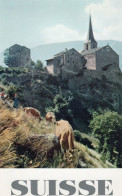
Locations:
(37, 22)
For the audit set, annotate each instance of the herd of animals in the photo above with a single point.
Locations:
(63, 130)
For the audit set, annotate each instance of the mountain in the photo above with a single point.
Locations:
(47, 51)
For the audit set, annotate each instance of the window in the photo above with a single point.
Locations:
(73, 62)
(107, 48)
(67, 61)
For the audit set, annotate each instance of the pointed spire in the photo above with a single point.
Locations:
(90, 41)
(90, 36)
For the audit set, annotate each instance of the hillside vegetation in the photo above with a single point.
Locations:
(20, 148)
(36, 88)
(94, 110)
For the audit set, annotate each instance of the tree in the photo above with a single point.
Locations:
(31, 64)
(9, 60)
(39, 65)
(62, 107)
(107, 127)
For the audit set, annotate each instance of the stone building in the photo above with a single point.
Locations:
(94, 58)
(98, 58)
(66, 62)
(21, 55)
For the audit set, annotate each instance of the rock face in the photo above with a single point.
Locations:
(43, 145)
(97, 87)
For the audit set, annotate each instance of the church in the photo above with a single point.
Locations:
(92, 57)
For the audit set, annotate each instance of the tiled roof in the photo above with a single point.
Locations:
(91, 51)
(60, 53)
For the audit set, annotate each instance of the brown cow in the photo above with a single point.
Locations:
(65, 134)
(50, 117)
(32, 111)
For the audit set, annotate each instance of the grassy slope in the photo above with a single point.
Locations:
(16, 127)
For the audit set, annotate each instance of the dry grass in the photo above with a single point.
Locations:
(87, 157)
(16, 128)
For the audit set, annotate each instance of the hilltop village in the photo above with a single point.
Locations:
(92, 61)
(81, 87)
(92, 71)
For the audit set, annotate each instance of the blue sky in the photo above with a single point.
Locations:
(36, 22)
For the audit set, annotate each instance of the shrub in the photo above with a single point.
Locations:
(62, 107)
(107, 127)
(13, 89)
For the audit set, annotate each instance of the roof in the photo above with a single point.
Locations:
(49, 59)
(15, 45)
(18, 46)
(91, 51)
(64, 52)
(61, 53)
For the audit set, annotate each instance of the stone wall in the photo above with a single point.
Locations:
(58, 63)
(90, 61)
(105, 57)
(75, 81)
(104, 87)
(25, 56)
(71, 62)
(21, 54)
(50, 66)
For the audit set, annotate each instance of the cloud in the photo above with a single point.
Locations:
(107, 19)
(60, 33)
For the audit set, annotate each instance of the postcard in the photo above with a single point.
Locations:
(60, 97)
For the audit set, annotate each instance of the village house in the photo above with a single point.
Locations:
(91, 58)
(21, 55)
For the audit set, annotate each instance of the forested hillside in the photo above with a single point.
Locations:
(96, 118)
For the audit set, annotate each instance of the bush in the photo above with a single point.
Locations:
(4, 82)
(62, 107)
(13, 89)
(107, 127)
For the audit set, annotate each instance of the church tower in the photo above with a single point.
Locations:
(90, 41)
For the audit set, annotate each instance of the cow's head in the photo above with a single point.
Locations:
(53, 118)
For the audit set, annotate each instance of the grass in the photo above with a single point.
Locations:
(15, 130)
(16, 127)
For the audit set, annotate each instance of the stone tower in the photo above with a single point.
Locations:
(90, 41)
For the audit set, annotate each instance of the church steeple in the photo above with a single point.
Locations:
(90, 41)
